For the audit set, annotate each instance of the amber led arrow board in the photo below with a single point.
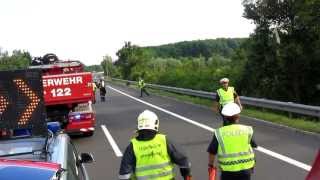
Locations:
(21, 101)
(33, 101)
(3, 104)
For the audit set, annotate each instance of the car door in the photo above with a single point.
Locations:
(80, 169)
(72, 167)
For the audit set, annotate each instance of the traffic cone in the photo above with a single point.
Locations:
(212, 173)
(314, 174)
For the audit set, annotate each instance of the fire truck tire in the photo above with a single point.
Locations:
(49, 58)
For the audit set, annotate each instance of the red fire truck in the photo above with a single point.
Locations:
(68, 94)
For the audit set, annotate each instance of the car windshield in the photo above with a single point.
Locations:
(18, 172)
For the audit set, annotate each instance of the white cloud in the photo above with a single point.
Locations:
(87, 30)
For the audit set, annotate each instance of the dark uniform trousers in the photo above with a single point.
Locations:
(241, 175)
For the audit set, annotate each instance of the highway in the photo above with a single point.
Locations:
(283, 153)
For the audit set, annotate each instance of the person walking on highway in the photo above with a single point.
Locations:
(225, 95)
(142, 87)
(233, 144)
(103, 90)
(94, 88)
(151, 155)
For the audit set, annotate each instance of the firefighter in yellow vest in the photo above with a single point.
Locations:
(94, 88)
(225, 95)
(142, 87)
(150, 155)
(232, 144)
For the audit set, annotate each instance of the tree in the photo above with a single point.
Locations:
(96, 68)
(131, 58)
(18, 60)
(107, 65)
(284, 49)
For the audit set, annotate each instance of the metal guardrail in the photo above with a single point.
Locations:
(263, 103)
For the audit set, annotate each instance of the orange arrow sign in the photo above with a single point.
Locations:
(3, 104)
(34, 101)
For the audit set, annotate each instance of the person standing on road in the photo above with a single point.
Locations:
(151, 155)
(103, 90)
(233, 144)
(225, 95)
(142, 87)
(94, 88)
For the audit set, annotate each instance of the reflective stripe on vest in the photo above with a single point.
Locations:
(226, 96)
(159, 176)
(234, 151)
(152, 159)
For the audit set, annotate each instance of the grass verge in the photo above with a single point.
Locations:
(302, 123)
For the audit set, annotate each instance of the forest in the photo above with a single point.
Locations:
(280, 60)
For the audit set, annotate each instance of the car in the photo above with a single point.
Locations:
(31, 148)
(42, 158)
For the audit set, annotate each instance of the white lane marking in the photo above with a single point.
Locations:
(111, 141)
(285, 158)
(261, 149)
(166, 111)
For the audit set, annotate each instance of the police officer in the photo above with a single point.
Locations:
(142, 87)
(232, 144)
(151, 155)
(225, 95)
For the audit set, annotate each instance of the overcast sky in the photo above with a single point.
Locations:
(87, 30)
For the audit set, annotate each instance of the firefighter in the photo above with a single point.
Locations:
(94, 88)
(103, 90)
(142, 87)
(232, 144)
(225, 95)
(151, 155)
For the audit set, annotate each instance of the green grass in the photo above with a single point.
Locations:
(305, 124)
(302, 123)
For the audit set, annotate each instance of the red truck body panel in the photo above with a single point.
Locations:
(65, 85)
(67, 88)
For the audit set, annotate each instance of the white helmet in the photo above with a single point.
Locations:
(148, 120)
(224, 80)
(230, 109)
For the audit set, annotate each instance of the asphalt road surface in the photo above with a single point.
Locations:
(283, 153)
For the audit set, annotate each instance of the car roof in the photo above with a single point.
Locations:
(27, 170)
(46, 149)
(23, 145)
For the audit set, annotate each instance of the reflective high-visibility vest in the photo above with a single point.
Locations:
(225, 96)
(94, 87)
(152, 159)
(141, 84)
(234, 151)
